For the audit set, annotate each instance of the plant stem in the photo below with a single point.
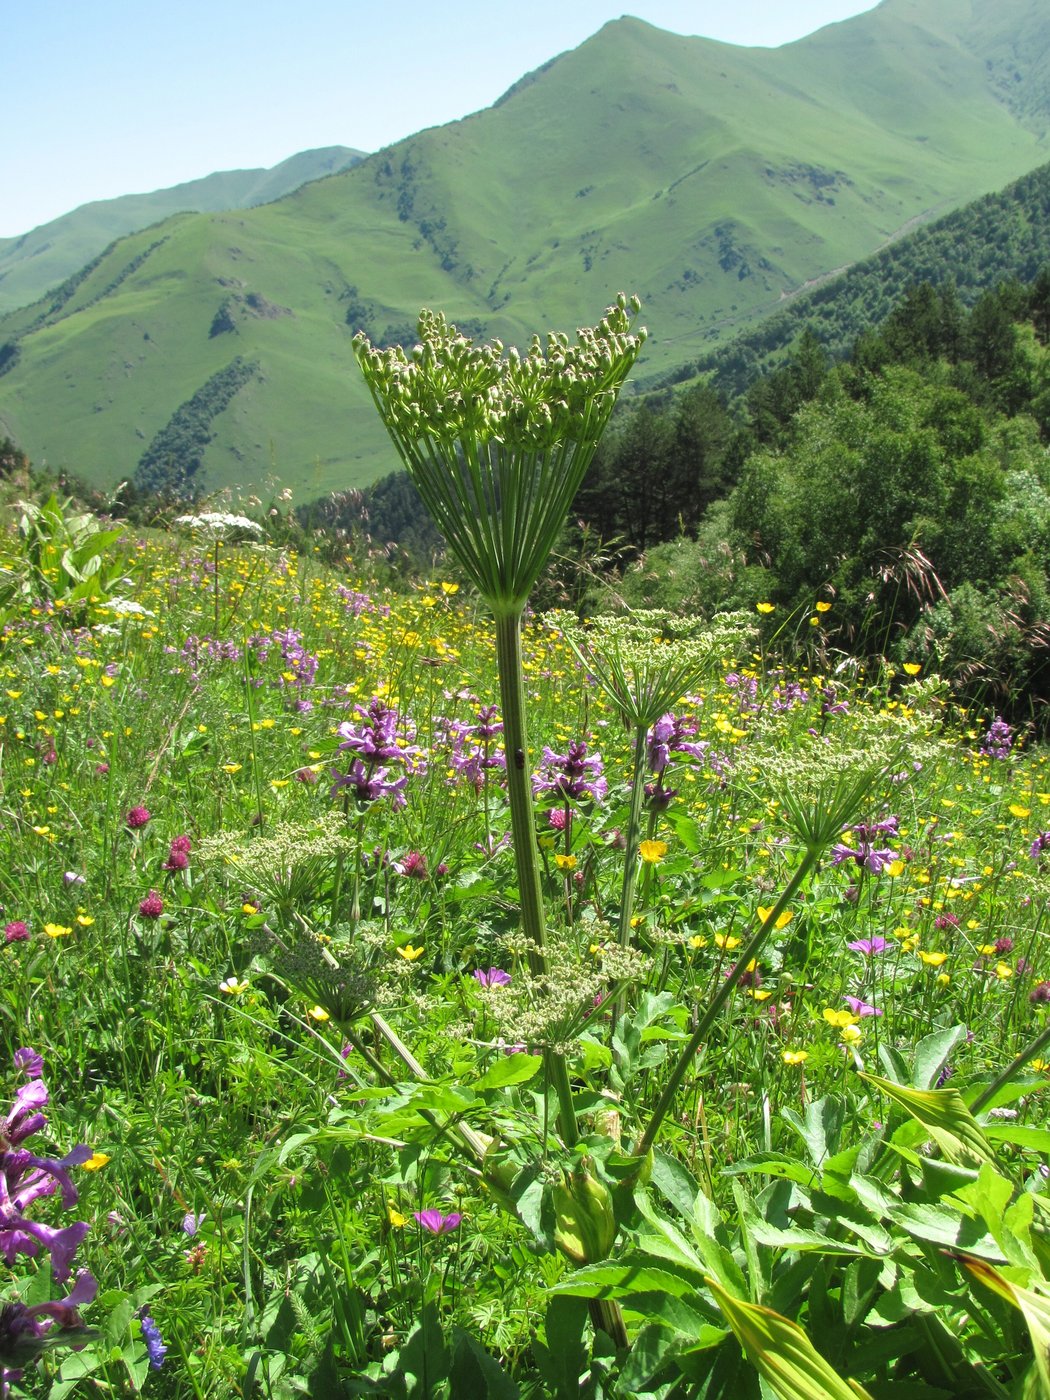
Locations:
(721, 996)
(523, 827)
(634, 828)
(519, 790)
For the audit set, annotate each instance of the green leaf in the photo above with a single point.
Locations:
(509, 1069)
(628, 1276)
(782, 1353)
(561, 1357)
(474, 1372)
(931, 1055)
(945, 1117)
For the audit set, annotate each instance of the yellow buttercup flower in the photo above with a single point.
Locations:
(409, 953)
(839, 1019)
(564, 862)
(783, 919)
(794, 1057)
(912, 668)
(823, 607)
(96, 1161)
(764, 608)
(57, 930)
(652, 852)
(318, 1013)
(726, 942)
(1016, 810)
(933, 959)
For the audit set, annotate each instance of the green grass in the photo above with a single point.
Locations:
(710, 180)
(230, 1104)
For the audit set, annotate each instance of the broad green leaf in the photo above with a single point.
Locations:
(622, 1279)
(509, 1069)
(940, 1225)
(931, 1055)
(782, 1353)
(945, 1117)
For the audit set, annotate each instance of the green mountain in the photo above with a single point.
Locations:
(713, 180)
(36, 261)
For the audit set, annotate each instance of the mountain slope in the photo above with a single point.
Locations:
(712, 180)
(36, 261)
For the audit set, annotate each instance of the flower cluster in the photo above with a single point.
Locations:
(24, 1179)
(380, 743)
(865, 852)
(999, 739)
(571, 776)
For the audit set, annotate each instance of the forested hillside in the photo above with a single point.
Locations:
(906, 490)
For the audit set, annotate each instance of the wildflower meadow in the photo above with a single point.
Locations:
(406, 993)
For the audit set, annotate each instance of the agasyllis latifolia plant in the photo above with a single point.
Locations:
(497, 444)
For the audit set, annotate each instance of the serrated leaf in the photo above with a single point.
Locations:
(508, 1070)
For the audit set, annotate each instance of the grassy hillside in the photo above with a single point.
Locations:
(996, 238)
(33, 263)
(714, 181)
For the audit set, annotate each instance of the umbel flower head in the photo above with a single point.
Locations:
(498, 442)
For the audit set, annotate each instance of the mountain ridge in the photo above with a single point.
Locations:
(711, 180)
(34, 262)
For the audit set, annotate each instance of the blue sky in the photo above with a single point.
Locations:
(110, 97)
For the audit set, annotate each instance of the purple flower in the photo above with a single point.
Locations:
(436, 1222)
(1039, 845)
(869, 946)
(155, 1348)
(870, 857)
(29, 1062)
(24, 1330)
(671, 734)
(495, 977)
(16, 931)
(152, 907)
(998, 740)
(572, 775)
(861, 1008)
(137, 818)
(191, 1223)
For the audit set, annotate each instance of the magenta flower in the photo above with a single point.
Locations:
(869, 946)
(152, 907)
(862, 1008)
(137, 818)
(178, 853)
(436, 1222)
(495, 977)
(16, 931)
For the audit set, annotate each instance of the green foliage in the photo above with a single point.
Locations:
(171, 464)
(63, 559)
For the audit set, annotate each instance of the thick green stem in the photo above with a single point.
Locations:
(519, 789)
(721, 996)
(523, 829)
